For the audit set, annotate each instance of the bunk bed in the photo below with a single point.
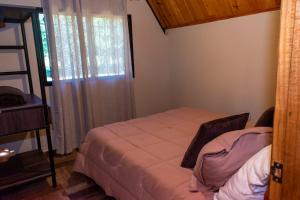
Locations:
(33, 115)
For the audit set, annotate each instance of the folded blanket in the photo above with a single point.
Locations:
(10, 96)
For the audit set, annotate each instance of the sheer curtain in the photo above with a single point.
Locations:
(90, 59)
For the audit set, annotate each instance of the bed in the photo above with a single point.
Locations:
(140, 158)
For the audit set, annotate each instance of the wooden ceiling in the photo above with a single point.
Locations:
(177, 13)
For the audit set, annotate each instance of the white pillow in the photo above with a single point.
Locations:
(251, 181)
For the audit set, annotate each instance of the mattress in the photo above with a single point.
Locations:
(140, 158)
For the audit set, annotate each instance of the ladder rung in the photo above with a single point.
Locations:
(13, 73)
(15, 21)
(11, 47)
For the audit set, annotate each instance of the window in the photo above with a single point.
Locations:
(67, 43)
(105, 47)
(98, 66)
(45, 46)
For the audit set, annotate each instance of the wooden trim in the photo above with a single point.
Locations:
(221, 18)
(286, 141)
(161, 26)
(175, 14)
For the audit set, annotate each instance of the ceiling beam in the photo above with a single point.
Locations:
(158, 20)
(178, 13)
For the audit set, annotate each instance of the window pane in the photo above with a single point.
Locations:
(106, 46)
(45, 47)
(67, 47)
(104, 39)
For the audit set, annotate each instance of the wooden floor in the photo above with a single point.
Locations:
(70, 186)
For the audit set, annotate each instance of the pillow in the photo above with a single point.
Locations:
(267, 118)
(210, 130)
(251, 181)
(222, 157)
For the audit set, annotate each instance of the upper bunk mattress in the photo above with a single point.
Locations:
(140, 158)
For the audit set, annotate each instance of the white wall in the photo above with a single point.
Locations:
(29, 3)
(153, 78)
(226, 66)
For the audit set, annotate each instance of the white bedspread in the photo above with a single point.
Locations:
(140, 158)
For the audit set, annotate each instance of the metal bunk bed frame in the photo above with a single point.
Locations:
(20, 15)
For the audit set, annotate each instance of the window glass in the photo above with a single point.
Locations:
(104, 46)
(44, 37)
(67, 47)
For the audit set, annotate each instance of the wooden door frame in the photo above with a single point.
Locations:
(286, 141)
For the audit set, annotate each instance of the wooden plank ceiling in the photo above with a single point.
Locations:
(177, 13)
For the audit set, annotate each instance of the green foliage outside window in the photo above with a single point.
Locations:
(45, 46)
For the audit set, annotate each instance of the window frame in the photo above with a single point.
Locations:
(39, 46)
(41, 54)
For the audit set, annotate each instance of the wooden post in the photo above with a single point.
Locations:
(286, 142)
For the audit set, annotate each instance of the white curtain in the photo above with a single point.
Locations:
(90, 60)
